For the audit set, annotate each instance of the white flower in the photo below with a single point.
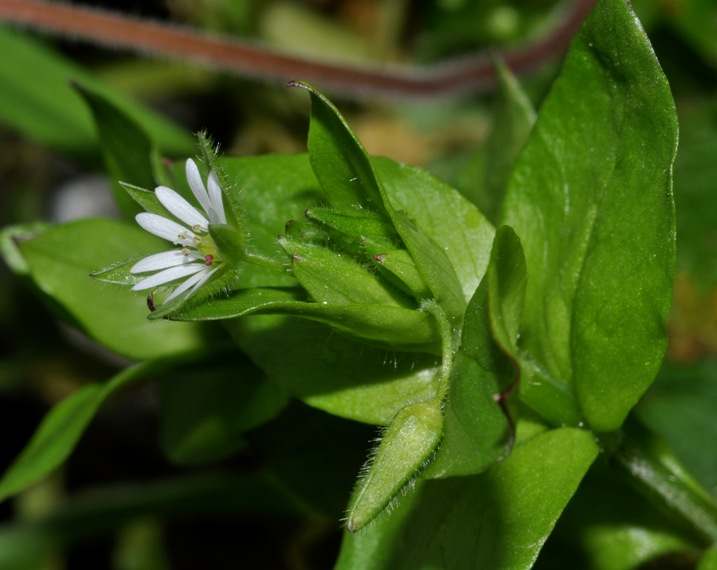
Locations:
(191, 266)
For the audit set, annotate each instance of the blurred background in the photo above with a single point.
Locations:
(52, 170)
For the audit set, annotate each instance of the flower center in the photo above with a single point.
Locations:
(204, 244)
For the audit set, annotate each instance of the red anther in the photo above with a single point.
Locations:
(208, 259)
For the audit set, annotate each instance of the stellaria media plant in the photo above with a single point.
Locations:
(499, 359)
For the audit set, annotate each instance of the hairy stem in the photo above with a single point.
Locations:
(469, 74)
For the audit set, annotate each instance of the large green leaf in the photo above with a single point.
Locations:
(496, 520)
(61, 261)
(36, 99)
(207, 407)
(333, 372)
(591, 200)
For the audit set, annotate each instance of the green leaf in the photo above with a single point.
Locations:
(450, 220)
(496, 520)
(477, 429)
(333, 278)
(334, 373)
(398, 267)
(126, 148)
(11, 236)
(350, 229)
(38, 101)
(591, 199)
(338, 159)
(60, 431)
(346, 174)
(206, 407)
(60, 262)
(514, 117)
(405, 446)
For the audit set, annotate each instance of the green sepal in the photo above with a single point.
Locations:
(406, 446)
(145, 198)
(351, 228)
(399, 268)
(219, 284)
(119, 273)
(235, 213)
(334, 278)
(434, 267)
(230, 243)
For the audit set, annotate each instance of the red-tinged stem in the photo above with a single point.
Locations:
(469, 74)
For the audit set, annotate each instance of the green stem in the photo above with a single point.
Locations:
(653, 469)
(448, 346)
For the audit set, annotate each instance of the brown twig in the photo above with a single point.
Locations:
(468, 74)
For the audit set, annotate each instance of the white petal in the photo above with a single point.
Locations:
(193, 281)
(159, 261)
(180, 207)
(197, 186)
(217, 215)
(202, 281)
(165, 228)
(169, 275)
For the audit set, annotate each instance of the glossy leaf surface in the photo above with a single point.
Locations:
(591, 200)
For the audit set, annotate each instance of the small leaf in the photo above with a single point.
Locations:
(333, 278)
(349, 229)
(406, 444)
(461, 232)
(338, 159)
(399, 268)
(433, 265)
